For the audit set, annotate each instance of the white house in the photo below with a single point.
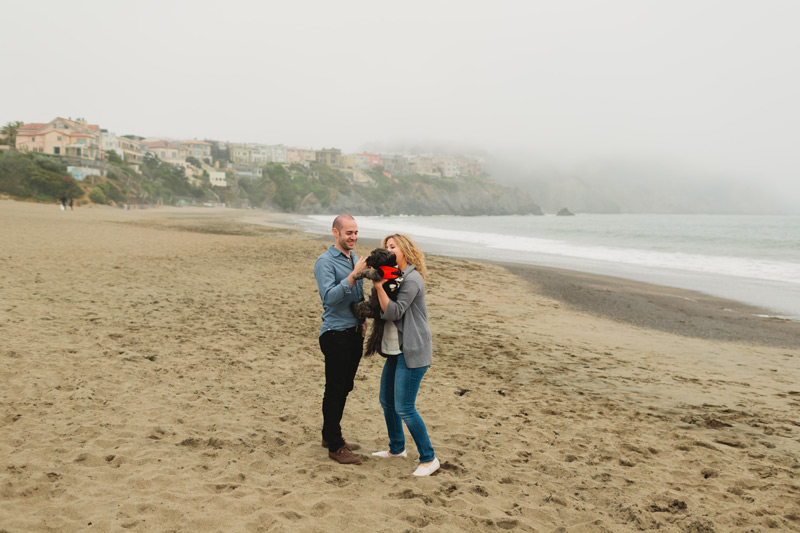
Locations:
(217, 178)
(109, 142)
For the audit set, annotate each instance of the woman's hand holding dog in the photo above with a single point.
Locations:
(383, 298)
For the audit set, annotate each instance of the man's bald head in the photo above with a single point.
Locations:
(339, 221)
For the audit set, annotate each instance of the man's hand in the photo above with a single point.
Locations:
(363, 329)
(360, 265)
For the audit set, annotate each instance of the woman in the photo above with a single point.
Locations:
(409, 352)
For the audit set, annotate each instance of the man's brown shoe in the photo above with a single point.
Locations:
(349, 445)
(343, 456)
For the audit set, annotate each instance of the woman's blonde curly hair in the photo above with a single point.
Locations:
(413, 254)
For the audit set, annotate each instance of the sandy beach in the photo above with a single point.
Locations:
(161, 372)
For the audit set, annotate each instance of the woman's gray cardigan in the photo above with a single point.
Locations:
(410, 315)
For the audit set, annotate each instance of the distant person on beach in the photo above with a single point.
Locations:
(63, 200)
(341, 337)
(70, 204)
(408, 349)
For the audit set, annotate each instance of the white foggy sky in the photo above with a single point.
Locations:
(712, 83)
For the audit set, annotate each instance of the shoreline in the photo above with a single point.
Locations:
(662, 308)
(779, 297)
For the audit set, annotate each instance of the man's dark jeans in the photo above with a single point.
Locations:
(342, 350)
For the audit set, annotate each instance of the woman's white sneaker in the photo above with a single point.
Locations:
(427, 470)
(388, 455)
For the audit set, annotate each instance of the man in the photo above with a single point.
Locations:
(342, 334)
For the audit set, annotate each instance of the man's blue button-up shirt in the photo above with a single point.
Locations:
(331, 271)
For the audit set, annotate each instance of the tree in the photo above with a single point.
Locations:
(97, 196)
(113, 157)
(13, 173)
(168, 181)
(8, 133)
(222, 155)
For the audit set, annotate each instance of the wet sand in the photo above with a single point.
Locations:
(161, 372)
(667, 309)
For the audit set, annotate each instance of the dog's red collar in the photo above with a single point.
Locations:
(390, 272)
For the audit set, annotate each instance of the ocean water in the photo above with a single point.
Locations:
(748, 258)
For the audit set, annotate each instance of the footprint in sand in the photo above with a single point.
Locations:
(220, 488)
(338, 481)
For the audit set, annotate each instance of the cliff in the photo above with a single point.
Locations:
(426, 199)
(319, 189)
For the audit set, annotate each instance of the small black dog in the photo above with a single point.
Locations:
(382, 265)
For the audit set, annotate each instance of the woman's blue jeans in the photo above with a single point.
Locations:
(399, 387)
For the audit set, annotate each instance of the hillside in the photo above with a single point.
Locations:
(45, 178)
(294, 188)
(320, 189)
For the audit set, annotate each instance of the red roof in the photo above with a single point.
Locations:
(35, 133)
(160, 144)
(32, 126)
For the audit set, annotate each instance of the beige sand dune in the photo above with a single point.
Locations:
(160, 372)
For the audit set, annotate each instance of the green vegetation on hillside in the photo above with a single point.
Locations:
(41, 177)
(285, 187)
(168, 182)
(44, 178)
(319, 188)
(291, 188)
